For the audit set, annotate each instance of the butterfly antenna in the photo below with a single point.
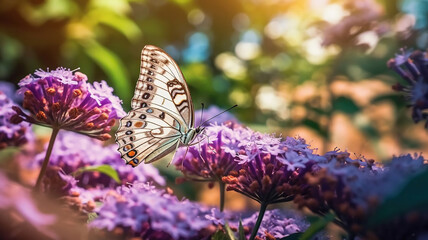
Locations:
(202, 113)
(219, 114)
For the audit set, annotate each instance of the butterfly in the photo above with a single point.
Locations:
(162, 114)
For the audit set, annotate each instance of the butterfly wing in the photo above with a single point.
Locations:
(147, 134)
(162, 110)
(161, 83)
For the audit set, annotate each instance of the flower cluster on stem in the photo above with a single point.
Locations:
(63, 99)
(354, 188)
(70, 157)
(412, 66)
(212, 159)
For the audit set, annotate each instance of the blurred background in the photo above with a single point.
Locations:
(310, 68)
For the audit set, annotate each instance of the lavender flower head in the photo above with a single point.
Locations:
(324, 188)
(413, 68)
(214, 157)
(269, 167)
(71, 152)
(11, 134)
(370, 189)
(384, 182)
(354, 188)
(63, 99)
(148, 213)
(276, 224)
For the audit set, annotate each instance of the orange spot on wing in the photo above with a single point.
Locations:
(132, 163)
(131, 153)
(138, 124)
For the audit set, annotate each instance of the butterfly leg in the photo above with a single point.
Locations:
(187, 150)
(208, 137)
(175, 151)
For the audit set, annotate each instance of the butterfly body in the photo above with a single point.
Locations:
(162, 115)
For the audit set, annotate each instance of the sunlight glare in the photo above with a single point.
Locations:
(333, 13)
(196, 16)
(247, 50)
(232, 66)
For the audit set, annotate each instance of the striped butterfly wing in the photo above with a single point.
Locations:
(161, 83)
(162, 110)
(147, 134)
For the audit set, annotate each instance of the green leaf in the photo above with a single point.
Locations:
(224, 235)
(346, 105)
(118, 6)
(106, 169)
(241, 231)
(370, 131)
(229, 233)
(316, 226)
(294, 236)
(118, 22)
(396, 99)
(315, 126)
(412, 197)
(51, 9)
(110, 63)
(219, 235)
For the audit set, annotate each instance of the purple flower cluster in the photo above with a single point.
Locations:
(354, 188)
(70, 156)
(369, 191)
(384, 181)
(257, 165)
(262, 167)
(276, 224)
(270, 167)
(11, 134)
(214, 157)
(148, 213)
(413, 68)
(63, 99)
(324, 188)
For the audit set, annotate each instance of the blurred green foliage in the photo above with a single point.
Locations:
(106, 169)
(247, 52)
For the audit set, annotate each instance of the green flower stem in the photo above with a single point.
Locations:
(262, 211)
(222, 191)
(47, 156)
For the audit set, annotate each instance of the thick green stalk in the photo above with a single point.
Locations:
(47, 156)
(262, 211)
(222, 195)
